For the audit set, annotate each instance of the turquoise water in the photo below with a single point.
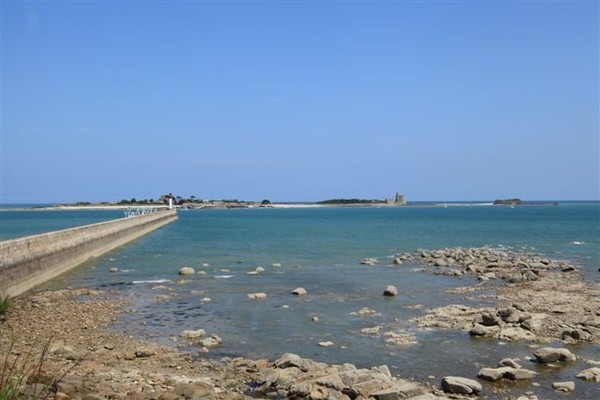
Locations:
(16, 222)
(320, 249)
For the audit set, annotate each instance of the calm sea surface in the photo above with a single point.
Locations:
(320, 249)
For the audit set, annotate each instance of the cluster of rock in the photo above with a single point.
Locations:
(510, 370)
(292, 376)
(488, 263)
(199, 337)
(568, 311)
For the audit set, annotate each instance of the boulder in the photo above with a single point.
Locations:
(576, 334)
(187, 271)
(590, 374)
(212, 341)
(491, 374)
(289, 360)
(564, 386)
(397, 261)
(390, 291)
(550, 354)
(480, 330)
(113, 269)
(515, 333)
(518, 374)
(299, 291)
(191, 334)
(490, 319)
(459, 385)
(326, 343)
(510, 373)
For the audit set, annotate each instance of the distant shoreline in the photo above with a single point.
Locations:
(282, 205)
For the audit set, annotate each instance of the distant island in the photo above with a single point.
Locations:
(508, 202)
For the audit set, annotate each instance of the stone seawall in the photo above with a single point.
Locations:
(30, 261)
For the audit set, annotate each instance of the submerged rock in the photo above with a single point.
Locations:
(257, 296)
(187, 271)
(564, 386)
(590, 374)
(390, 290)
(550, 355)
(299, 291)
(191, 334)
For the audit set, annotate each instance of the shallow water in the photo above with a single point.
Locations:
(320, 250)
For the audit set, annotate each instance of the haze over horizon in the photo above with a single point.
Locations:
(299, 101)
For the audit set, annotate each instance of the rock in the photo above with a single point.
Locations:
(489, 319)
(212, 341)
(491, 374)
(402, 391)
(515, 333)
(299, 291)
(564, 386)
(113, 269)
(371, 331)
(326, 343)
(551, 354)
(390, 291)
(576, 334)
(191, 334)
(590, 374)
(480, 330)
(366, 311)
(397, 261)
(257, 296)
(289, 360)
(459, 385)
(143, 353)
(510, 373)
(187, 271)
(276, 265)
(259, 269)
(518, 374)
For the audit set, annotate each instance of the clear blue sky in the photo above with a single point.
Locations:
(299, 101)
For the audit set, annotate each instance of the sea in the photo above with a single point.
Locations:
(320, 249)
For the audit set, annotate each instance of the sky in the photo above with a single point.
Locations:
(299, 100)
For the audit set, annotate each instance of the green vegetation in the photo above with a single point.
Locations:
(18, 370)
(351, 201)
(134, 201)
(4, 304)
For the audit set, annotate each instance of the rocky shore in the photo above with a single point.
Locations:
(62, 342)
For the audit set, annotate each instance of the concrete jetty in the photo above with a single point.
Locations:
(32, 260)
